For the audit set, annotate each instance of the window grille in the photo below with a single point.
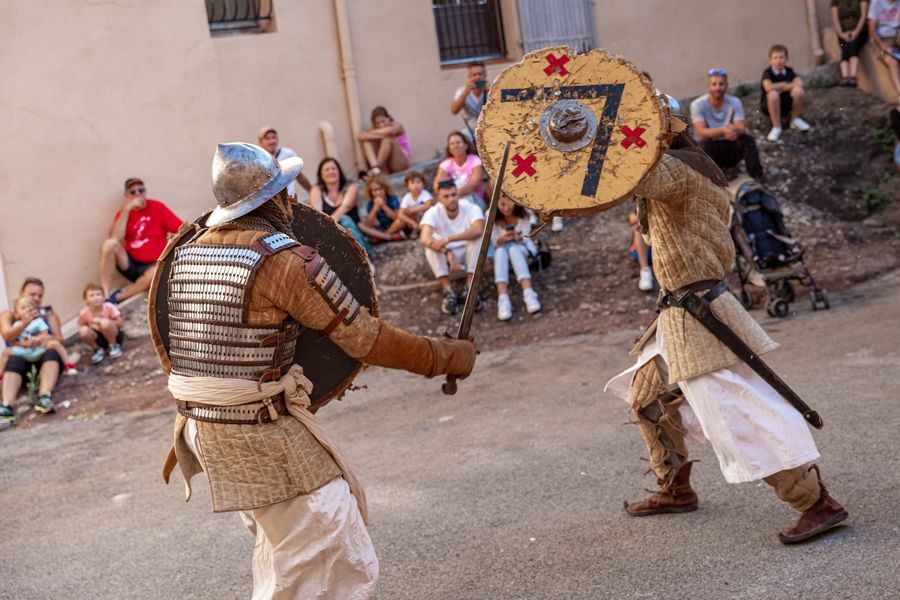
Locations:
(469, 30)
(228, 17)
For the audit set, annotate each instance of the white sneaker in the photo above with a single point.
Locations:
(800, 124)
(531, 301)
(774, 134)
(645, 284)
(504, 307)
(557, 224)
(115, 351)
(98, 355)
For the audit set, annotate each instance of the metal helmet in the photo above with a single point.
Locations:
(678, 119)
(244, 177)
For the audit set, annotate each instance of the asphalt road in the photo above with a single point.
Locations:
(511, 489)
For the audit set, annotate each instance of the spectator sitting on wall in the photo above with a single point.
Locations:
(416, 200)
(268, 141)
(450, 233)
(718, 120)
(464, 168)
(100, 324)
(33, 346)
(471, 98)
(849, 20)
(782, 94)
(641, 254)
(513, 245)
(138, 236)
(386, 145)
(884, 28)
(335, 196)
(382, 222)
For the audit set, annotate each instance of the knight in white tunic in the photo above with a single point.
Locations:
(687, 382)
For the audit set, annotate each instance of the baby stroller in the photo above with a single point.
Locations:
(767, 255)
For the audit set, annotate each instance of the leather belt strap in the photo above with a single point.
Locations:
(716, 289)
(242, 414)
(698, 307)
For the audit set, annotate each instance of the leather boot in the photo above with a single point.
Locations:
(676, 497)
(820, 517)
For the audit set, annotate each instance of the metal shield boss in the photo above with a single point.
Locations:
(329, 368)
(585, 128)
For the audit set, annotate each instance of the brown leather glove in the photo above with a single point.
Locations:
(398, 349)
(452, 357)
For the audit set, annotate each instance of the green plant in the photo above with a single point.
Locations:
(875, 198)
(32, 383)
(744, 90)
(884, 137)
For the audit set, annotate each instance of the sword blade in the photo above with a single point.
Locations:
(465, 322)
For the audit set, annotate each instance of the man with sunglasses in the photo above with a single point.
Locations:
(718, 120)
(137, 237)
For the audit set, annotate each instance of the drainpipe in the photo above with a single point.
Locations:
(348, 71)
(815, 36)
(328, 140)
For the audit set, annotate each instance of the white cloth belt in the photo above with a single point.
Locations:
(296, 387)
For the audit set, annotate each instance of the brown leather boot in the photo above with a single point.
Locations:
(820, 517)
(677, 497)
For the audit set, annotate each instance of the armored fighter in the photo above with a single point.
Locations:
(589, 132)
(228, 304)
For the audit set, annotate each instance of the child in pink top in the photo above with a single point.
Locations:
(100, 324)
(464, 168)
(386, 145)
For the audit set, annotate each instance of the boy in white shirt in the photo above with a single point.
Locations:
(451, 230)
(416, 201)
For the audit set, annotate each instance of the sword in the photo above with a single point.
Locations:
(465, 323)
(699, 309)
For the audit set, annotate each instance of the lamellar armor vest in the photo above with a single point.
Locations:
(209, 296)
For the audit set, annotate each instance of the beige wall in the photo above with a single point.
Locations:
(679, 41)
(97, 92)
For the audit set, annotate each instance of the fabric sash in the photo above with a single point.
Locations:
(296, 388)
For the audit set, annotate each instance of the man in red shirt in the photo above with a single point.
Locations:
(138, 236)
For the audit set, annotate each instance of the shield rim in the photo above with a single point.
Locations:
(491, 163)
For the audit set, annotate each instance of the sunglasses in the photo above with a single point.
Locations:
(721, 72)
(136, 191)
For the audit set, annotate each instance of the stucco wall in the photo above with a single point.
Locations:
(678, 42)
(97, 92)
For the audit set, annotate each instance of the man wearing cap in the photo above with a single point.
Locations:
(268, 139)
(137, 237)
(238, 294)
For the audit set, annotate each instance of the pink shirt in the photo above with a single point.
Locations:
(461, 174)
(107, 311)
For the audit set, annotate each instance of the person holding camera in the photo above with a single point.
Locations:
(28, 313)
(514, 246)
(470, 98)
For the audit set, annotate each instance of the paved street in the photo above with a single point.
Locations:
(510, 490)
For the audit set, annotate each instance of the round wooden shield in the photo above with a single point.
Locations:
(328, 367)
(585, 128)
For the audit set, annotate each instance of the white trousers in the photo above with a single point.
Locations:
(466, 255)
(752, 429)
(313, 546)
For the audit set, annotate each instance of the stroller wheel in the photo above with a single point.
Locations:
(819, 299)
(746, 299)
(777, 308)
(785, 291)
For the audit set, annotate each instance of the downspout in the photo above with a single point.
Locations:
(348, 71)
(814, 33)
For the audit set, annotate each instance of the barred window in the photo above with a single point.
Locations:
(228, 17)
(469, 30)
